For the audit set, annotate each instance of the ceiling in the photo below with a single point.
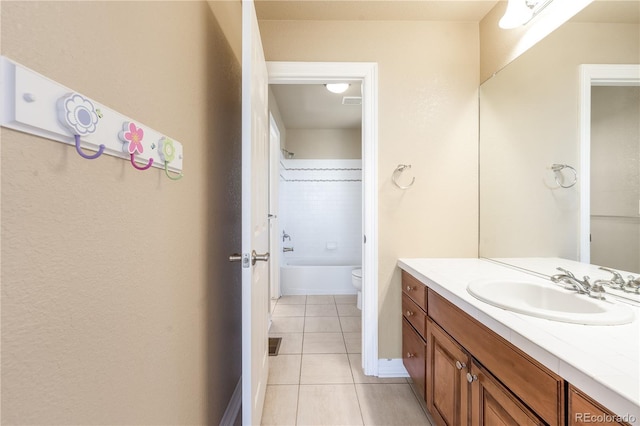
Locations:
(312, 106)
(374, 10)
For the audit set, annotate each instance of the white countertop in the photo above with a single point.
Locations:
(602, 361)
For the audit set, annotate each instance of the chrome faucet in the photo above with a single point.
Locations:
(567, 278)
(616, 282)
(285, 236)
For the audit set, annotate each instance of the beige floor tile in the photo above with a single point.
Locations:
(349, 311)
(321, 311)
(343, 299)
(390, 404)
(291, 343)
(351, 324)
(353, 342)
(280, 405)
(292, 300)
(289, 310)
(284, 369)
(318, 369)
(322, 324)
(355, 360)
(287, 325)
(320, 300)
(323, 343)
(328, 405)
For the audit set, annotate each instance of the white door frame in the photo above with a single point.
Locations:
(367, 73)
(274, 219)
(595, 75)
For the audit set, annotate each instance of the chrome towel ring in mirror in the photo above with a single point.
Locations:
(396, 173)
(559, 176)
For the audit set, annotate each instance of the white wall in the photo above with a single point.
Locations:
(320, 208)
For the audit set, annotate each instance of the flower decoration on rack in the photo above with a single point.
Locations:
(166, 149)
(167, 152)
(78, 114)
(131, 135)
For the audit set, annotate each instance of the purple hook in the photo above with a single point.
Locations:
(133, 163)
(83, 155)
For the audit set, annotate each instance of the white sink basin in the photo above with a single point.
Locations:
(545, 301)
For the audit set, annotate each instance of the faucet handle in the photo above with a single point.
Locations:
(617, 278)
(569, 273)
(596, 290)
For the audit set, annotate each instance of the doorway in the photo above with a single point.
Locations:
(609, 210)
(366, 75)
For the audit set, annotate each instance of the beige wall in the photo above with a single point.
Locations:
(428, 117)
(529, 120)
(118, 306)
(325, 143)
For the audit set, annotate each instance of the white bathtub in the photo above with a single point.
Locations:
(311, 276)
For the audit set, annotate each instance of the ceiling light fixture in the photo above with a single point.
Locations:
(519, 12)
(337, 87)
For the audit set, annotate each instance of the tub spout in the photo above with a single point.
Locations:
(286, 249)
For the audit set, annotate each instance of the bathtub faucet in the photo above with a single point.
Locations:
(286, 249)
(285, 236)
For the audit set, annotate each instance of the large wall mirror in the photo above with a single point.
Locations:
(531, 176)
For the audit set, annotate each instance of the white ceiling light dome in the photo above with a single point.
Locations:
(337, 87)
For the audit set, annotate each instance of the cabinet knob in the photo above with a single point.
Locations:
(409, 288)
(460, 365)
(409, 313)
(410, 355)
(471, 377)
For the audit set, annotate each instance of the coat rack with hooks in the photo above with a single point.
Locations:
(34, 104)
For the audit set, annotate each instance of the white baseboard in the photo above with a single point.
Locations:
(234, 406)
(391, 367)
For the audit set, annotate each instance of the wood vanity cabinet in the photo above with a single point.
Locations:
(468, 374)
(414, 296)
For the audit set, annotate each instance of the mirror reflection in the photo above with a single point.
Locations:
(530, 145)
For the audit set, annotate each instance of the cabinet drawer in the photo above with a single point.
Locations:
(414, 315)
(535, 385)
(414, 356)
(414, 289)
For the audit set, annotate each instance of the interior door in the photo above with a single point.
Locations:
(255, 223)
(274, 211)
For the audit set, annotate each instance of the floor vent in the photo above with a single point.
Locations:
(274, 345)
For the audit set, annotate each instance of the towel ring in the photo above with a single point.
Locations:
(559, 177)
(401, 168)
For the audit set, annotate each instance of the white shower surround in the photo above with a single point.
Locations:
(321, 209)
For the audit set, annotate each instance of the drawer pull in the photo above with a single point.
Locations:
(409, 288)
(409, 313)
(410, 355)
(460, 365)
(471, 377)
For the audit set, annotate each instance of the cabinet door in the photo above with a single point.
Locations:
(413, 356)
(447, 387)
(493, 404)
(584, 410)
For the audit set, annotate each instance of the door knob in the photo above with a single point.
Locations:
(261, 257)
(235, 257)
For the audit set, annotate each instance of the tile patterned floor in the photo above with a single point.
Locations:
(316, 379)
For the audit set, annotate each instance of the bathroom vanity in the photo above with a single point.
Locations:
(476, 364)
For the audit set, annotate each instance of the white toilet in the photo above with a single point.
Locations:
(356, 280)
